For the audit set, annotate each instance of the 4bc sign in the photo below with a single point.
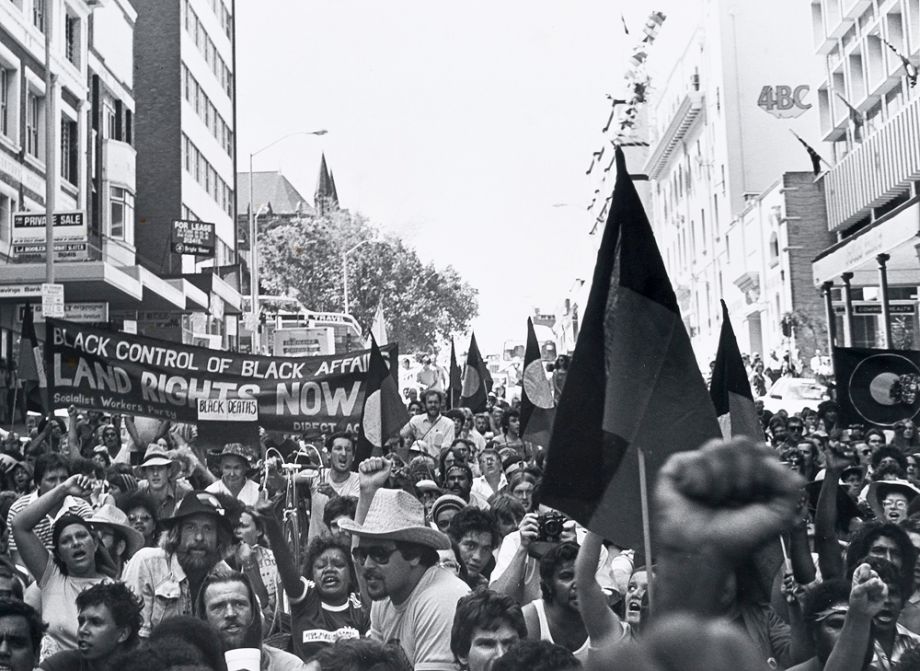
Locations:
(784, 102)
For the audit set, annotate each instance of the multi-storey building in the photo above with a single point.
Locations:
(185, 134)
(869, 107)
(94, 109)
(724, 134)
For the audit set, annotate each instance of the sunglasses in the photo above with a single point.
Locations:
(380, 554)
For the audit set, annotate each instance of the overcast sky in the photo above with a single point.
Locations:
(464, 128)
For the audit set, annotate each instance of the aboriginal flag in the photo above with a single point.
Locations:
(877, 386)
(730, 389)
(474, 394)
(633, 382)
(384, 413)
(32, 365)
(537, 405)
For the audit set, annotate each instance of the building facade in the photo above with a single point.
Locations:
(185, 132)
(724, 126)
(869, 107)
(94, 143)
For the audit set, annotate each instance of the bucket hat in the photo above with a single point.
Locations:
(236, 450)
(111, 516)
(200, 503)
(398, 516)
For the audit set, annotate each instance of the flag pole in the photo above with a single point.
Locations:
(646, 532)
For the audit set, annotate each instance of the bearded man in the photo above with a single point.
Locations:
(168, 577)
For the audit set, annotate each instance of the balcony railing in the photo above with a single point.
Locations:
(876, 170)
(682, 121)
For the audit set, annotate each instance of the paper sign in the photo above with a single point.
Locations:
(228, 410)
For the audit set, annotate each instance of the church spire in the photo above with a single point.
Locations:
(325, 198)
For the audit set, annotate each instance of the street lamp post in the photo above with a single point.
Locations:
(345, 268)
(254, 243)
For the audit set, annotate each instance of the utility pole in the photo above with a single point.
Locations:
(50, 145)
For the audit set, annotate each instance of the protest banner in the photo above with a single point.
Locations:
(125, 373)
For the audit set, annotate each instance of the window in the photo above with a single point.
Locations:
(72, 39)
(774, 249)
(6, 209)
(69, 150)
(6, 77)
(34, 109)
(122, 211)
(38, 14)
(108, 120)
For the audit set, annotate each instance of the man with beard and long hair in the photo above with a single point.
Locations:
(168, 577)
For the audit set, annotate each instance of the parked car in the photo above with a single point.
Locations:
(793, 394)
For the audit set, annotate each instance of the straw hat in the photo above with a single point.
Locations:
(398, 516)
(156, 455)
(110, 516)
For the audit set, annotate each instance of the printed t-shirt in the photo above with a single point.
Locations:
(315, 624)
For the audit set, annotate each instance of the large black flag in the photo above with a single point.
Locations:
(730, 389)
(32, 365)
(537, 404)
(633, 382)
(474, 394)
(877, 386)
(384, 413)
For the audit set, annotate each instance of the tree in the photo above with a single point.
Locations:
(422, 304)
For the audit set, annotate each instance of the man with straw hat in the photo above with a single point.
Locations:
(159, 471)
(397, 555)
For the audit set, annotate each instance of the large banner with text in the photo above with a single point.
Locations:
(124, 373)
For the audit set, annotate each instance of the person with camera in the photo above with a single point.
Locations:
(516, 570)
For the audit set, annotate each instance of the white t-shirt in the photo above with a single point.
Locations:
(422, 623)
(351, 486)
(249, 494)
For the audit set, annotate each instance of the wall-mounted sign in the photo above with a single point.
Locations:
(876, 309)
(193, 237)
(304, 341)
(784, 102)
(70, 236)
(53, 300)
(84, 313)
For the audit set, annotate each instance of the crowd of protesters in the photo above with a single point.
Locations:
(120, 553)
